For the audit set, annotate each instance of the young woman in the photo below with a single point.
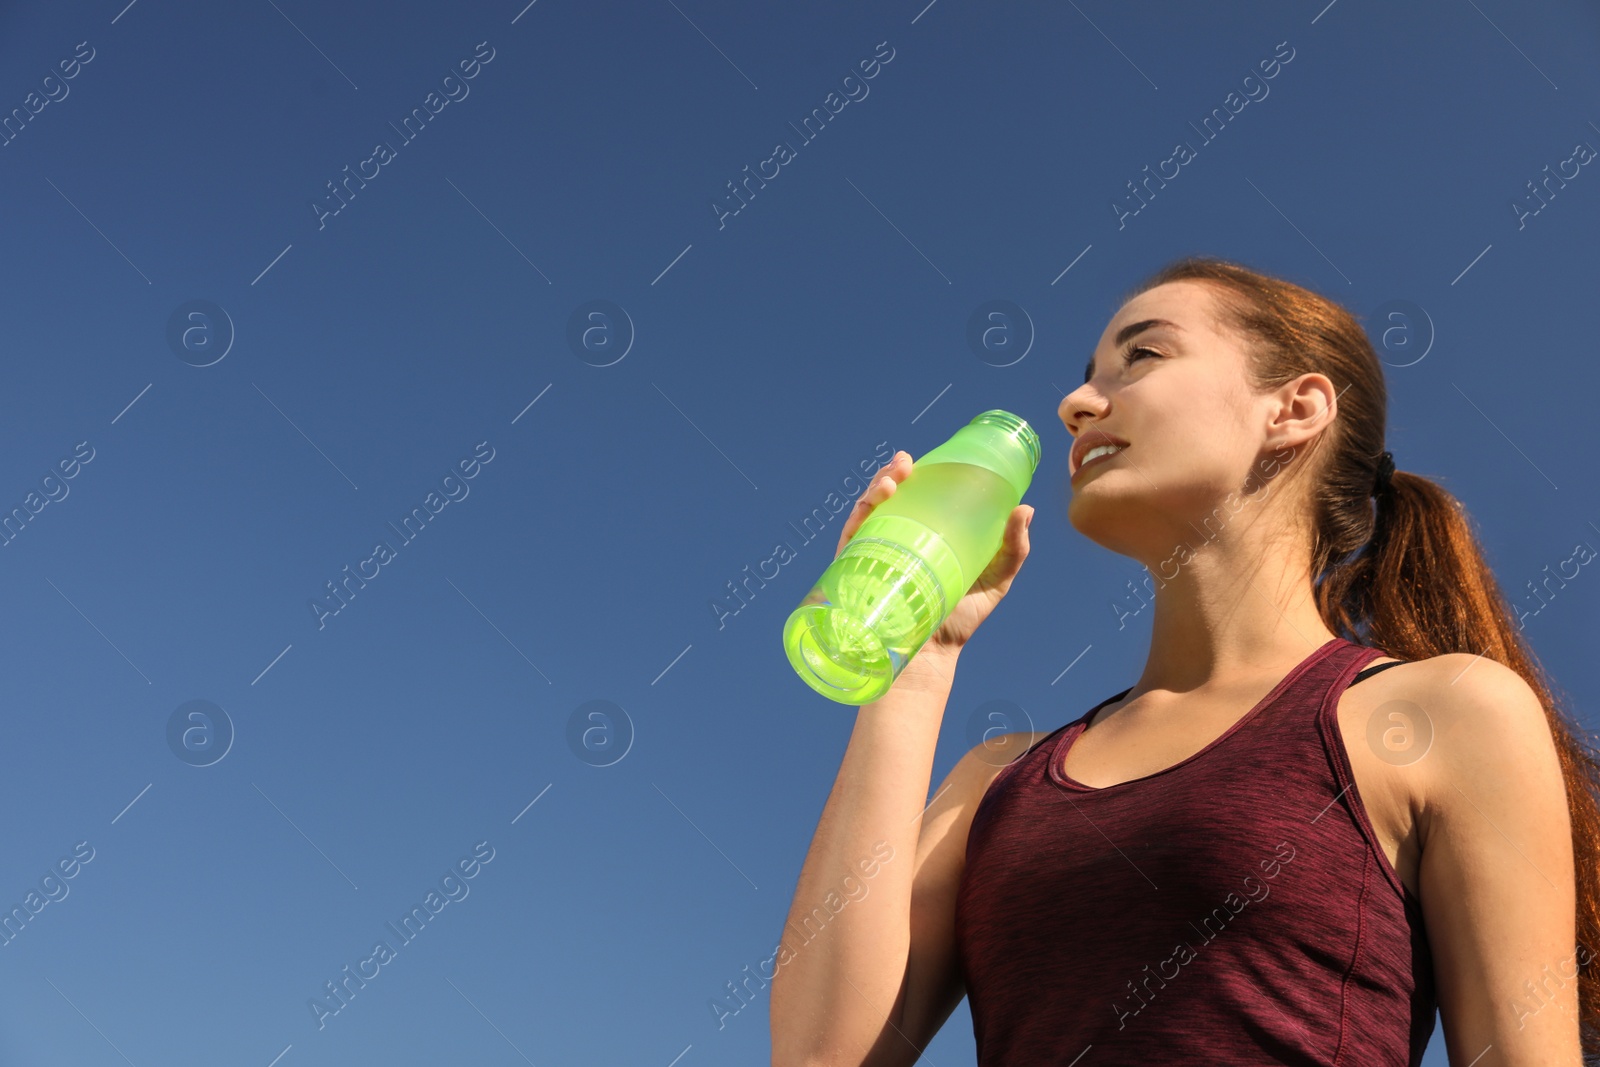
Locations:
(1340, 794)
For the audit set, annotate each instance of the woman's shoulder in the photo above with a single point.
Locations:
(1459, 688)
(1467, 706)
(993, 756)
(1003, 750)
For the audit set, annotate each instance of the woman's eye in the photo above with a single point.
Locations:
(1133, 354)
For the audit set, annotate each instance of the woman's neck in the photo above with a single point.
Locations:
(1232, 613)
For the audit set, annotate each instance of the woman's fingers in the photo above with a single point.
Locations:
(1022, 543)
(1014, 546)
(881, 488)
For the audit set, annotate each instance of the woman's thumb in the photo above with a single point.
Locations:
(1017, 537)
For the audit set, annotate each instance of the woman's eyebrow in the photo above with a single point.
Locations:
(1127, 333)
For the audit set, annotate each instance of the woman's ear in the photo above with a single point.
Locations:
(1302, 409)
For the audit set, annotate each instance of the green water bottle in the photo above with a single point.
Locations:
(912, 560)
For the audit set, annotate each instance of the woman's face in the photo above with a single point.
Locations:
(1169, 380)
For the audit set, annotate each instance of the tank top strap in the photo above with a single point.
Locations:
(1297, 709)
(1046, 745)
(1297, 733)
(1398, 731)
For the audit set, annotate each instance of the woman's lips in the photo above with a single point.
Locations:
(1096, 461)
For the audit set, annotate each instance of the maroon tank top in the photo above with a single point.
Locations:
(1234, 908)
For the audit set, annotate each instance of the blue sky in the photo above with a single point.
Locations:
(534, 323)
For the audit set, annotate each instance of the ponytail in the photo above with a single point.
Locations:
(1421, 588)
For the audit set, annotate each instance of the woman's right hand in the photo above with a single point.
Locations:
(990, 587)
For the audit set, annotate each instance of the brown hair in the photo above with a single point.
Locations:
(1407, 576)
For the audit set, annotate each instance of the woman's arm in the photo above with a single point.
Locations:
(841, 982)
(1496, 879)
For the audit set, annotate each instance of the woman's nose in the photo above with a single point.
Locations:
(1078, 405)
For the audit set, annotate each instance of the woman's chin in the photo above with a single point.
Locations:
(1102, 515)
(1091, 516)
